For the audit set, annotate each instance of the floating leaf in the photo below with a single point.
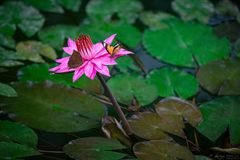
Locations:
(33, 50)
(17, 132)
(185, 44)
(150, 125)
(180, 108)
(156, 20)
(94, 148)
(27, 18)
(126, 63)
(201, 10)
(6, 90)
(200, 157)
(53, 108)
(10, 150)
(7, 40)
(9, 58)
(173, 82)
(220, 114)
(221, 77)
(161, 149)
(126, 87)
(55, 35)
(55, 5)
(126, 33)
(104, 10)
(40, 73)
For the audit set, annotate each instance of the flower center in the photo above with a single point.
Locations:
(84, 46)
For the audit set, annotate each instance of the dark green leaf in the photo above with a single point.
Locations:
(6, 90)
(94, 148)
(200, 10)
(55, 35)
(150, 125)
(53, 108)
(126, 63)
(161, 149)
(7, 41)
(103, 10)
(185, 44)
(126, 87)
(17, 132)
(33, 50)
(27, 18)
(10, 150)
(220, 114)
(173, 82)
(126, 33)
(72, 5)
(221, 77)
(39, 73)
(180, 108)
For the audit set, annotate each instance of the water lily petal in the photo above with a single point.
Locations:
(88, 69)
(93, 74)
(78, 74)
(62, 60)
(72, 44)
(104, 71)
(107, 60)
(123, 52)
(68, 50)
(110, 39)
(97, 62)
(98, 47)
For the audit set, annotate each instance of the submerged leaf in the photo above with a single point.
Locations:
(173, 82)
(186, 44)
(194, 9)
(17, 132)
(220, 114)
(161, 149)
(53, 108)
(180, 108)
(94, 148)
(150, 125)
(221, 77)
(127, 87)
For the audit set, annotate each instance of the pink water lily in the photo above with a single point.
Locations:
(94, 57)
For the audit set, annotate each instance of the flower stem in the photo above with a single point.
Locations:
(121, 115)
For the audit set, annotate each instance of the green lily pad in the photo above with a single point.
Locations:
(150, 125)
(186, 44)
(94, 148)
(10, 150)
(200, 10)
(53, 108)
(126, 63)
(40, 73)
(181, 108)
(27, 18)
(9, 58)
(6, 90)
(173, 82)
(17, 132)
(220, 114)
(7, 41)
(161, 149)
(103, 10)
(221, 77)
(55, 5)
(55, 35)
(126, 87)
(126, 33)
(33, 50)
(156, 20)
